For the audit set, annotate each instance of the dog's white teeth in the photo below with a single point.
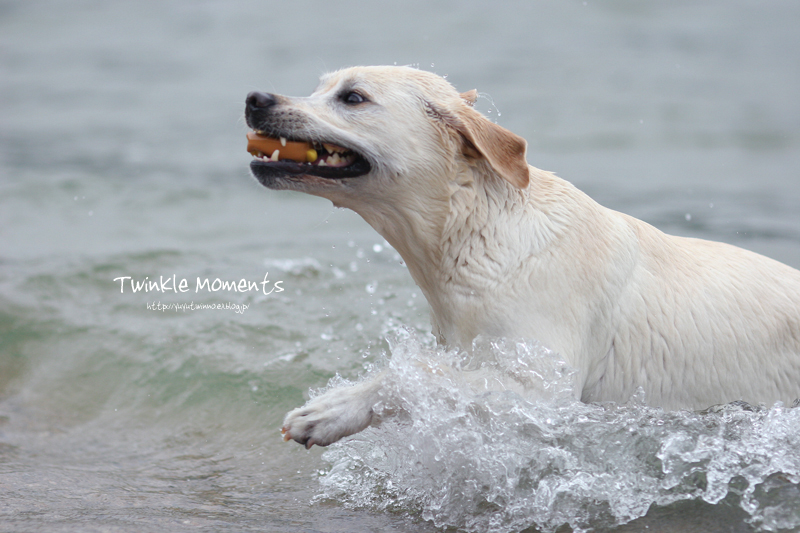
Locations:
(283, 141)
(275, 155)
(322, 163)
(333, 149)
(334, 160)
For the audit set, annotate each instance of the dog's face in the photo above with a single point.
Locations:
(382, 134)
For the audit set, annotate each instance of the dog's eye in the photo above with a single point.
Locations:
(353, 98)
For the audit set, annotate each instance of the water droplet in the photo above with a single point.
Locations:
(688, 217)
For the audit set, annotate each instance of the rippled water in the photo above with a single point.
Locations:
(122, 155)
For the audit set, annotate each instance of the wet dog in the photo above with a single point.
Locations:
(504, 249)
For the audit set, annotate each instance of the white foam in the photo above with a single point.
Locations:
(496, 441)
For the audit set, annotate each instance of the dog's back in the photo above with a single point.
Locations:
(701, 323)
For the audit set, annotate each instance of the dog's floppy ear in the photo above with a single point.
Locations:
(470, 97)
(502, 149)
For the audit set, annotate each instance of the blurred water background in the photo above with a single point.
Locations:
(122, 155)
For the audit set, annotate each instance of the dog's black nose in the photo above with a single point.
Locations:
(259, 100)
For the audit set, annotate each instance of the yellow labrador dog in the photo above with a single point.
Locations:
(501, 248)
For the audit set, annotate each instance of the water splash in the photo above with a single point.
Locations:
(496, 441)
(491, 102)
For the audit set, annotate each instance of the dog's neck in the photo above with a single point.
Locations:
(457, 245)
(492, 227)
(414, 230)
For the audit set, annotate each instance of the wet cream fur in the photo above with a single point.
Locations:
(502, 248)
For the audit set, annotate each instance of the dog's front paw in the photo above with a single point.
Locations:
(331, 416)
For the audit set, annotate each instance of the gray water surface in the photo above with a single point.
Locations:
(122, 154)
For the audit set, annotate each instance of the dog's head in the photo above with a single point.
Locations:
(376, 129)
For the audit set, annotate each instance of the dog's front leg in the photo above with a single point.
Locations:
(335, 414)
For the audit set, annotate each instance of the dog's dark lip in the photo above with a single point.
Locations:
(268, 171)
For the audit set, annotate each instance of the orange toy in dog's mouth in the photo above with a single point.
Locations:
(276, 149)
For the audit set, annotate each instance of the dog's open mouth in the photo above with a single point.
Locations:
(275, 157)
